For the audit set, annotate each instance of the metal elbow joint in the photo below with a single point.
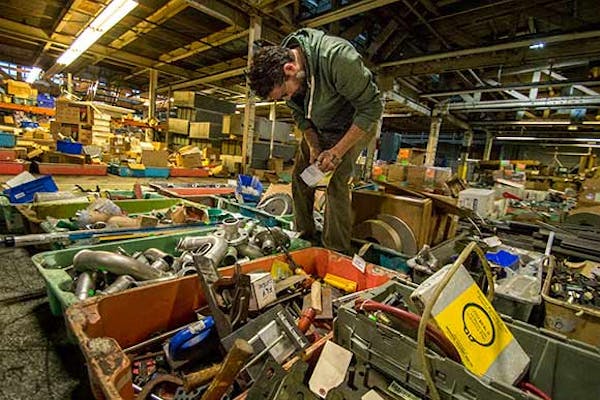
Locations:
(117, 264)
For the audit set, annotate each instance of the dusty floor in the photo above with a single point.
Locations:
(36, 359)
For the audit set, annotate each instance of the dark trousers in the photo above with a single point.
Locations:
(337, 228)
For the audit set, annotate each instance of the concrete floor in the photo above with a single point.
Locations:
(36, 360)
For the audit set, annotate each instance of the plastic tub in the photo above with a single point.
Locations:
(168, 305)
(7, 139)
(563, 369)
(24, 193)
(68, 147)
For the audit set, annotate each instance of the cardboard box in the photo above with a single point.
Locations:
(19, 89)
(275, 164)
(211, 154)
(183, 98)
(396, 173)
(262, 290)
(232, 124)
(412, 156)
(155, 158)
(200, 130)
(66, 113)
(481, 201)
(189, 157)
(181, 126)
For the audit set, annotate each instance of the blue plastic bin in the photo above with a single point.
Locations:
(7, 139)
(249, 181)
(65, 146)
(157, 172)
(24, 193)
(45, 100)
(503, 258)
(29, 124)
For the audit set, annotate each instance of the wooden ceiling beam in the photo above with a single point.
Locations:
(345, 12)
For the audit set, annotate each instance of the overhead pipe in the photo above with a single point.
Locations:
(88, 260)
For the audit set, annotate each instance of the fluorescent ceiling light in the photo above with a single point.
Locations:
(108, 18)
(536, 46)
(545, 139)
(33, 75)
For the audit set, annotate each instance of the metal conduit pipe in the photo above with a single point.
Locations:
(211, 247)
(118, 264)
(123, 282)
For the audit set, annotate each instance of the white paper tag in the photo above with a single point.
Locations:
(312, 175)
(359, 263)
(331, 369)
(371, 395)
(492, 241)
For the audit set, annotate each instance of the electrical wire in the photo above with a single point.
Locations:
(529, 387)
(434, 394)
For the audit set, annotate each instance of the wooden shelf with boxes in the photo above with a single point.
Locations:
(28, 109)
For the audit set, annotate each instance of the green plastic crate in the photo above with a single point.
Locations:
(562, 368)
(51, 264)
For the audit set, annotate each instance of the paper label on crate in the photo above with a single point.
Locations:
(475, 329)
(359, 263)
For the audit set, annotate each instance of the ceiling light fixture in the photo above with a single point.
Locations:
(536, 46)
(108, 18)
(545, 139)
(33, 75)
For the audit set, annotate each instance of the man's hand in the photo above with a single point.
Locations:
(314, 153)
(328, 160)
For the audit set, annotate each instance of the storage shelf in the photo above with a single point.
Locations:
(28, 109)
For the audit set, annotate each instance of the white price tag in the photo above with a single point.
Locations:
(359, 263)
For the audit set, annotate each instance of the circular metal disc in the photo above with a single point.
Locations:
(407, 237)
(277, 205)
(380, 232)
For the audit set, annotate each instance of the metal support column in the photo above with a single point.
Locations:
(434, 134)
(272, 117)
(250, 108)
(70, 83)
(372, 152)
(464, 154)
(152, 105)
(487, 151)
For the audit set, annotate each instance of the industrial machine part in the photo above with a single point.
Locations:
(211, 247)
(407, 237)
(122, 282)
(229, 294)
(275, 383)
(277, 204)
(271, 239)
(230, 256)
(153, 254)
(374, 230)
(85, 283)
(249, 250)
(118, 264)
(273, 334)
(232, 232)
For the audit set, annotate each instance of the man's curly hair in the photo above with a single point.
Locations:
(266, 71)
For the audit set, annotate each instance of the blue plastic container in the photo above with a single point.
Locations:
(65, 146)
(24, 193)
(45, 100)
(7, 139)
(156, 172)
(249, 181)
(29, 124)
(503, 258)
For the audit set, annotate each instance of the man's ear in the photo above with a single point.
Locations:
(289, 69)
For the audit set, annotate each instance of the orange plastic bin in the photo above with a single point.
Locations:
(104, 325)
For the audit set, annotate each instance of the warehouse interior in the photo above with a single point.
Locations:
(166, 233)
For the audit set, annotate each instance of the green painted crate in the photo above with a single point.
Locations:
(52, 264)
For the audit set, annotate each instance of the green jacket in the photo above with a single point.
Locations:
(341, 90)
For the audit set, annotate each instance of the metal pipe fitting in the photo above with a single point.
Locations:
(118, 264)
(249, 250)
(211, 247)
(230, 257)
(120, 284)
(161, 265)
(85, 283)
(231, 228)
(187, 270)
(153, 254)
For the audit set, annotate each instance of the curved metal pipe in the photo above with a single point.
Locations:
(211, 247)
(249, 250)
(154, 254)
(230, 257)
(118, 264)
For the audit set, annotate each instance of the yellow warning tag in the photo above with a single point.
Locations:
(475, 329)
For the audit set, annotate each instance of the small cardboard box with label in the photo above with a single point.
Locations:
(263, 290)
